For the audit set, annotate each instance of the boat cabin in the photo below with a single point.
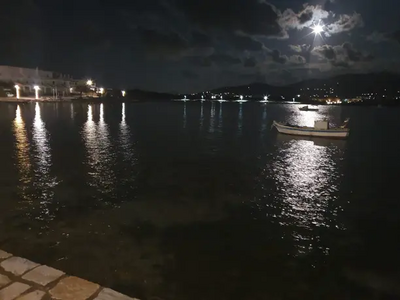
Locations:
(321, 125)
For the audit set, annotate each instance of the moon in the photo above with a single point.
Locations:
(318, 29)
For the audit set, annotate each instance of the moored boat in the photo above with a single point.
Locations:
(308, 108)
(320, 129)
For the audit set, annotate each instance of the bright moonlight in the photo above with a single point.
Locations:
(318, 29)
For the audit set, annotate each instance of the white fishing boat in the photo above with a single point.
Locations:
(321, 129)
(308, 108)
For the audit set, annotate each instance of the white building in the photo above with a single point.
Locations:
(49, 82)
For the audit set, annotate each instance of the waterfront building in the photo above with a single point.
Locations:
(49, 82)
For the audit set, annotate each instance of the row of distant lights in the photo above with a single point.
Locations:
(37, 89)
(214, 97)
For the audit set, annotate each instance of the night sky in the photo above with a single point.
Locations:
(194, 45)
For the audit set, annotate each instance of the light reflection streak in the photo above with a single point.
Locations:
(43, 179)
(90, 137)
(125, 136)
(184, 115)
(72, 111)
(128, 152)
(201, 116)
(220, 116)
(22, 145)
(123, 114)
(240, 119)
(100, 152)
(304, 118)
(264, 120)
(105, 176)
(306, 177)
(212, 117)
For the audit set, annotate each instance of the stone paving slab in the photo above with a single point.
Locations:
(73, 288)
(38, 279)
(43, 275)
(4, 280)
(35, 295)
(109, 294)
(13, 291)
(17, 265)
(4, 254)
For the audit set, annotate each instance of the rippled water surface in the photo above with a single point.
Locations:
(204, 201)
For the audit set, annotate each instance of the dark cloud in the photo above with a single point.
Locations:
(199, 61)
(242, 43)
(341, 55)
(303, 50)
(251, 77)
(377, 37)
(253, 17)
(200, 39)
(345, 23)
(305, 18)
(277, 57)
(288, 77)
(356, 55)
(296, 48)
(281, 77)
(162, 44)
(300, 48)
(171, 45)
(312, 14)
(325, 51)
(165, 37)
(224, 59)
(395, 36)
(340, 63)
(188, 74)
(219, 59)
(250, 62)
(297, 60)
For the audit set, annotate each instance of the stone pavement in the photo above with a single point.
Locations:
(21, 279)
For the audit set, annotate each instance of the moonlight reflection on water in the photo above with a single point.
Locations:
(307, 179)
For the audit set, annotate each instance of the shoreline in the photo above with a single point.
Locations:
(24, 100)
(26, 280)
(44, 100)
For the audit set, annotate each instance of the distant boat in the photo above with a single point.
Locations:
(320, 129)
(308, 108)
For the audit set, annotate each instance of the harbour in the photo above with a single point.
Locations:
(143, 197)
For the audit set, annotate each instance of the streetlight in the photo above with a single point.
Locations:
(36, 88)
(241, 97)
(123, 93)
(89, 82)
(102, 91)
(17, 87)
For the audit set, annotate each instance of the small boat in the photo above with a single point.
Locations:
(321, 129)
(308, 108)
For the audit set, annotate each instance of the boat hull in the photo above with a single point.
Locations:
(308, 131)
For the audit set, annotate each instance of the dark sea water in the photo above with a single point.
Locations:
(191, 201)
